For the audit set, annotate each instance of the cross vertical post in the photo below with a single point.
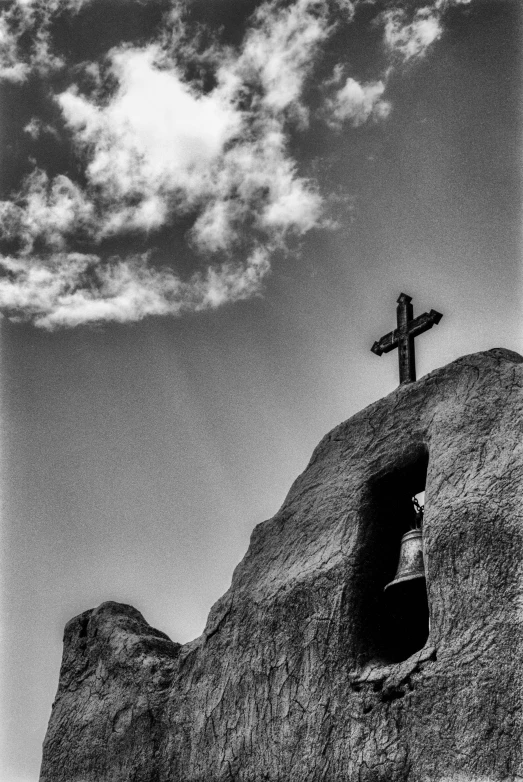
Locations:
(406, 356)
(403, 336)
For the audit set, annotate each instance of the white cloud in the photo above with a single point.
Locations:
(412, 39)
(280, 51)
(256, 182)
(357, 103)
(30, 19)
(157, 146)
(152, 142)
(160, 147)
(12, 68)
(72, 288)
(36, 128)
(46, 211)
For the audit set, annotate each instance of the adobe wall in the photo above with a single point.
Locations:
(298, 674)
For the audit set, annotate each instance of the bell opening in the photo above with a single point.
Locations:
(391, 611)
(407, 623)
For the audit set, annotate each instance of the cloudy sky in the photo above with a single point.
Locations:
(207, 211)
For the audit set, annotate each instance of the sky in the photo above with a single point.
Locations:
(207, 213)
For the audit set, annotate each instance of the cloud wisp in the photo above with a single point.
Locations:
(409, 38)
(159, 146)
(356, 102)
(25, 37)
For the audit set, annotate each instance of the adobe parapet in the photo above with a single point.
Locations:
(302, 673)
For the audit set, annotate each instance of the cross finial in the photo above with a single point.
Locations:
(403, 337)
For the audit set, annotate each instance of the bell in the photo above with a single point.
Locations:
(410, 565)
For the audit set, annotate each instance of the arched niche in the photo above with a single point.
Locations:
(388, 626)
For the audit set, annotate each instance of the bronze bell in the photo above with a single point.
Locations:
(410, 565)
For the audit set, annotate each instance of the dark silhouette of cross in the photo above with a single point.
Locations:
(403, 337)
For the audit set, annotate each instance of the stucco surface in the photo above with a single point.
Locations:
(299, 674)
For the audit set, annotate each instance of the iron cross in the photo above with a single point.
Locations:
(403, 337)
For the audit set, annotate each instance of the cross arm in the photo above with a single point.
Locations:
(424, 322)
(386, 343)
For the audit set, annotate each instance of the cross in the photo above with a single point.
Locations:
(403, 337)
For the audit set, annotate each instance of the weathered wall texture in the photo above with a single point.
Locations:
(298, 675)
